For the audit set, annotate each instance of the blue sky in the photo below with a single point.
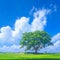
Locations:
(18, 16)
(10, 10)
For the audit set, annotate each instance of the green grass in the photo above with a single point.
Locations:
(23, 56)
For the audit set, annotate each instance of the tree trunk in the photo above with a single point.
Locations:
(36, 51)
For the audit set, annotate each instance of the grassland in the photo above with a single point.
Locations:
(24, 56)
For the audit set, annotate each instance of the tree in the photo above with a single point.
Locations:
(35, 40)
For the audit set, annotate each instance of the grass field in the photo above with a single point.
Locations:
(23, 56)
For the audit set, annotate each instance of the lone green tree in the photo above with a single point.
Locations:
(35, 40)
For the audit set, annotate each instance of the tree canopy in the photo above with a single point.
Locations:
(35, 40)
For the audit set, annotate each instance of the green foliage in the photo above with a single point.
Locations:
(35, 40)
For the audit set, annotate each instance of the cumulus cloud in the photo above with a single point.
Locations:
(9, 39)
(56, 41)
(39, 21)
(52, 49)
(56, 38)
(5, 36)
(21, 25)
(12, 48)
(55, 48)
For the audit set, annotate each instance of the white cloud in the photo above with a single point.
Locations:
(56, 38)
(56, 41)
(54, 48)
(13, 48)
(21, 25)
(32, 10)
(6, 36)
(39, 21)
(9, 39)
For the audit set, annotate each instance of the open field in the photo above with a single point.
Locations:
(22, 56)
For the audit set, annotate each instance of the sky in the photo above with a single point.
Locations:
(18, 16)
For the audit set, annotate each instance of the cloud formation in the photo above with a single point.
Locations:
(56, 38)
(9, 39)
(12, 48)
(52, 49)
(55, 48)
(39, 21)
(56, 41)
